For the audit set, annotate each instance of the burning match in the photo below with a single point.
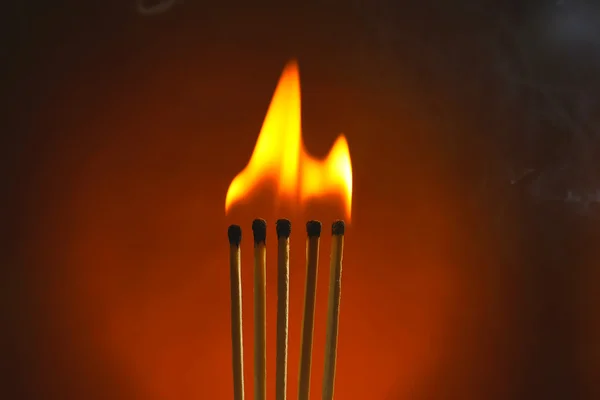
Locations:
(259, 228)
(284, 228)
(237, 342)
(333, 307)
(280, 157)
(313, 231)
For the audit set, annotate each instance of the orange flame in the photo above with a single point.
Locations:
(280, 156)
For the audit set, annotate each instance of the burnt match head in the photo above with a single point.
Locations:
(338, 227)
(235, 235)
(313, 228)
(283, 228)
(259, 228)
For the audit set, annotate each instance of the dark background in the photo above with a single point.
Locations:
(461, 280)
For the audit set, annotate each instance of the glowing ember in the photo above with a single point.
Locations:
(279, 155)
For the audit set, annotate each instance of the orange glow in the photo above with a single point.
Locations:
(279, 155)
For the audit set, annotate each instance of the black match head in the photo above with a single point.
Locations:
(338, 227)
(283, 228)
(235, 235)
(259, 228)
(313, 228)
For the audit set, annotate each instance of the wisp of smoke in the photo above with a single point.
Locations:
(155, 9)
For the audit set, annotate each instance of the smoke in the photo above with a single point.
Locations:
(538, 100)
(154, 9)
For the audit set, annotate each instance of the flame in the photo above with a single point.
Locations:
(279, 155)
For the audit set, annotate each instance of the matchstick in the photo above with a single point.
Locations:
(237, 343)
(313, 230)
(333, 308)
(259, 228)
(283, 228)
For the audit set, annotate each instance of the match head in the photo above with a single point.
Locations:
(313, 228)
(283, 228)
(338, 227)
(259, 228)
(235, 235)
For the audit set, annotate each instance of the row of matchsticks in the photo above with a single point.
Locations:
(283, 229)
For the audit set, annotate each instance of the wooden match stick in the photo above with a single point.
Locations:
(237, 343)
(313, 230)
(259, 228)
(283, 228)
(333, 308)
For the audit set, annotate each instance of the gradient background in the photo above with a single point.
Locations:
(123, 135)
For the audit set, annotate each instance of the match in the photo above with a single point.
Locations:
(333, 308)
(313, 231)
(284, 229)
(259, 228)
(237, 342)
